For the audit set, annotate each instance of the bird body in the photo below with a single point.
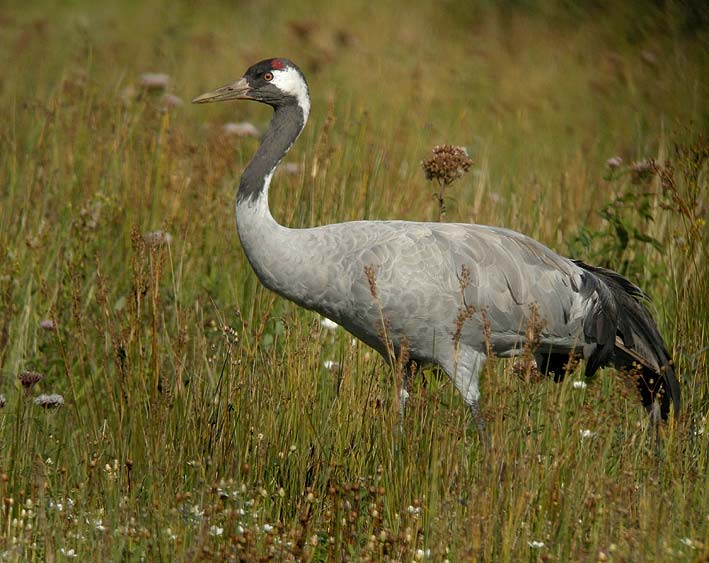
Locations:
(446, 293)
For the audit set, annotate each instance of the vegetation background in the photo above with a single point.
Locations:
(206, 419)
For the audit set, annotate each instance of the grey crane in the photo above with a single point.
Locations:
(448, 294)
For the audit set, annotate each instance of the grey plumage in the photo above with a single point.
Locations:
(448, 293)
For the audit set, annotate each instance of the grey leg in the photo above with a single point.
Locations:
(404, 396)
(464, 374)
(480, 423)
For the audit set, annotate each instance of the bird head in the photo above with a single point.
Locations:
(276, 82)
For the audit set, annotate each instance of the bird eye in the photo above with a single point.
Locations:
(268, 76)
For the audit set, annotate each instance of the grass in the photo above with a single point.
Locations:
(200, 421)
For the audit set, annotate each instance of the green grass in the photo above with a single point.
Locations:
(200, 421)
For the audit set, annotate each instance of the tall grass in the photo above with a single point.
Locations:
(204, 417)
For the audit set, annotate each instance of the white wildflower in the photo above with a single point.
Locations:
(586, 434)
(534, 544)
(580, 385)
(67, 552)
(267, 528)
(688, 542)
(216, 531)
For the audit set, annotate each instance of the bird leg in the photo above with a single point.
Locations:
(404, 396)
(480, 423)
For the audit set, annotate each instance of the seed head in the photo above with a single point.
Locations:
(29, 379)
(49, 401)
(447, 164)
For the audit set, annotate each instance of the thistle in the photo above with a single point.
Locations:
(29, 379)
(445, 166)
(49, 401)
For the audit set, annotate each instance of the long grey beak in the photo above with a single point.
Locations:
(238, 90)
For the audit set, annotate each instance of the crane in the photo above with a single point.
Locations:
(448, 294)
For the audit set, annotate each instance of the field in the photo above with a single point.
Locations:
(205, 418)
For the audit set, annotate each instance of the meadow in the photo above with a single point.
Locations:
(202, 417)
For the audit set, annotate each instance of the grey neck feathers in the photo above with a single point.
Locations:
(287, 123)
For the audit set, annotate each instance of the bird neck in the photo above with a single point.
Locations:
(273, 250)
(287, 123)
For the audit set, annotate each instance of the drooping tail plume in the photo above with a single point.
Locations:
(628, 337)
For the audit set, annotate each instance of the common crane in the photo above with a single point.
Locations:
(447, 294)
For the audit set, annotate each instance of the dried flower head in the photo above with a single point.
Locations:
(49, 401)
(447, 164)
(29, 379)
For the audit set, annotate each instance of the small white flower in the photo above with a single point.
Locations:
(534, 544)
(216, 531)
(688, 542)
(67, 552)
(580, 385)
(329, 364)
(328, 324)
(413, 509)
(586, 434)
(98, 524)
(267, 528)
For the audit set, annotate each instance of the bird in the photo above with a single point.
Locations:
(445, 294)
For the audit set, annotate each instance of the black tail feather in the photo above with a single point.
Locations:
(628, 337)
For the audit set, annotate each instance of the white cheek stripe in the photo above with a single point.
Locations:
(291, 82)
